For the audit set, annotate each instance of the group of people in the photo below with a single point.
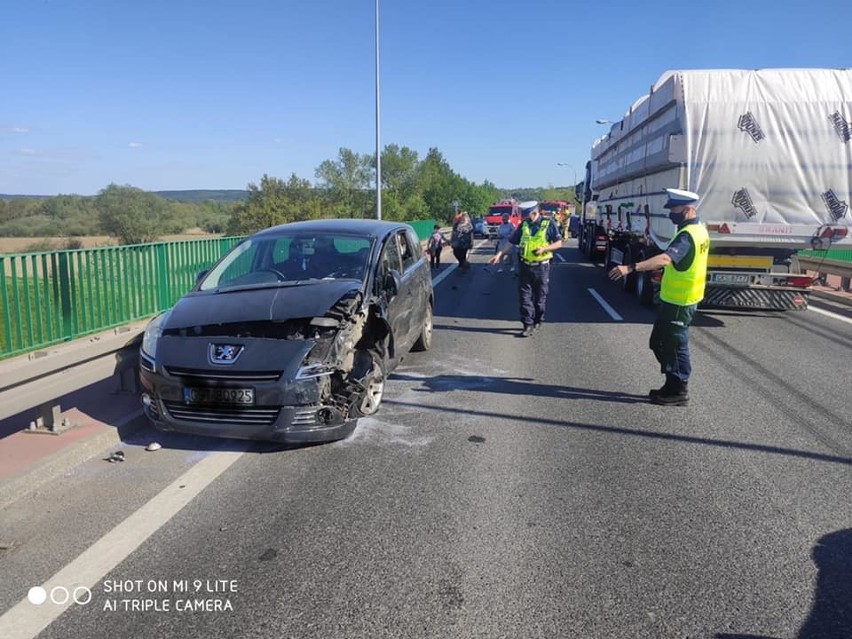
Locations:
(684, 264)
(461, 241)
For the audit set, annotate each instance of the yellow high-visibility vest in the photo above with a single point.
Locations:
(686, 287)
(530, 242)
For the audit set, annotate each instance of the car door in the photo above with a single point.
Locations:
(419, 281)
(398, 313)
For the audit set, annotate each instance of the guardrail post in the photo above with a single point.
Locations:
(163, 294)
(64, 280)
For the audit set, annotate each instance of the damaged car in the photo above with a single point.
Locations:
(291, 335)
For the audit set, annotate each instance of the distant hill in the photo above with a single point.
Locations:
(204, 195)
(194, 195)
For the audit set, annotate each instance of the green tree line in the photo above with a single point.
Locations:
(412, 189)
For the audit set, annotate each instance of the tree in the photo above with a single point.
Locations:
(131, 214)
(347, 182)
(276, 202)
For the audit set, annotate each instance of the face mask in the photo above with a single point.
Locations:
(676, 218)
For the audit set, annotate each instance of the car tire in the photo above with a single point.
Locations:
(370, 399)
(424, 341)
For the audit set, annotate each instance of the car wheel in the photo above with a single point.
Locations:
(373, 383)
(424, 342)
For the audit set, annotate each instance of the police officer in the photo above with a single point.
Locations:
(536, 237)
(684, 265)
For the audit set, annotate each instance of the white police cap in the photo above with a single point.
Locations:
(678, 197)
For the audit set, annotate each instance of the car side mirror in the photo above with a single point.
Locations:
(200, 275)
(393, 282)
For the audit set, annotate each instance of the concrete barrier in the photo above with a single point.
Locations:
(37, 381)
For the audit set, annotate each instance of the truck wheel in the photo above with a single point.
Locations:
(644, 289)
(629, 282)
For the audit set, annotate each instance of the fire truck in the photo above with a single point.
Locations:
(496, 211)
(557, 210)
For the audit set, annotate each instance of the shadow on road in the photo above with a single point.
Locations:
(616, 430)
(831, 612)
(515, 386)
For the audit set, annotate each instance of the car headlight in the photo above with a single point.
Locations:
(152, 333)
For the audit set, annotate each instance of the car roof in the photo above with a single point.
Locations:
(365, 227)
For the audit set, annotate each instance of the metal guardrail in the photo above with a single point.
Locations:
(54, 297)
(48, 298)
(842, 268)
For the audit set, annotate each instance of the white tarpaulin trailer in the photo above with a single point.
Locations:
(769, 151)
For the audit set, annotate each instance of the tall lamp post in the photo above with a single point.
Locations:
(570, 166)
(378, 127)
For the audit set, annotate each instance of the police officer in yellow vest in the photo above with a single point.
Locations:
(536, 237)
(684, 265)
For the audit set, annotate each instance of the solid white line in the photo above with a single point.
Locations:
(609, 309)
(830, 314)
(26, 620)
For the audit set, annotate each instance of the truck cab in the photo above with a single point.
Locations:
(496, 211)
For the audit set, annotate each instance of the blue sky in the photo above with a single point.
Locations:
(212, 94)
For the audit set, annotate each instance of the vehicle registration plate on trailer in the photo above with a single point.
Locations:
(212, 395)
(730, 278)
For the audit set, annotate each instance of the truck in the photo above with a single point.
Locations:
(769, 153)
(558, 211)
(494, 217)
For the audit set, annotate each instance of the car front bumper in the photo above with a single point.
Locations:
(271, 418)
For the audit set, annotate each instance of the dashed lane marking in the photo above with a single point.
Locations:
(609, 309)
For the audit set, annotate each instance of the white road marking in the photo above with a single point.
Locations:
(609, 309)
(830, 314)
(559, 257)
(26, 620)
(440, 277)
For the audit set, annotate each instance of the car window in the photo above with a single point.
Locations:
(390, 259)
(407, 251)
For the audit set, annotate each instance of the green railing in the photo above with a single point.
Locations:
(844, 255)
(53, 297)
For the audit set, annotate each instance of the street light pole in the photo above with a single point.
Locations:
(378, 127)
(571, 166)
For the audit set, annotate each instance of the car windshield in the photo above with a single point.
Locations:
(289, 259)
(550, 207)
(500, 210)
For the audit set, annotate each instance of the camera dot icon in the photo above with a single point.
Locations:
(37, 595)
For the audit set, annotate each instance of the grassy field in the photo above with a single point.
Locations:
(22, 244)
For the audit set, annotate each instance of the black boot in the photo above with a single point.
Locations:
(677, 395)
(665, 388)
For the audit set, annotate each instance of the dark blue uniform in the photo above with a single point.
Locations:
(534, 277)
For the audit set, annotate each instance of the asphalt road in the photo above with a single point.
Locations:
(508, 487)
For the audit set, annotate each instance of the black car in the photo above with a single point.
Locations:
(291, 335)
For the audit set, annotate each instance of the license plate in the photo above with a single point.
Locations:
(729, 278)
(228, 396)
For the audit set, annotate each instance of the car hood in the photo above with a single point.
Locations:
(313, 299)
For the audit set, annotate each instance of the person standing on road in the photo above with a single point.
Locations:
(536, 238)
(434, 246)
(504, 232)
(684, 265)
(461, 239)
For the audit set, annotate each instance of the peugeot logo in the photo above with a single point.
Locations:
(224, 353)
